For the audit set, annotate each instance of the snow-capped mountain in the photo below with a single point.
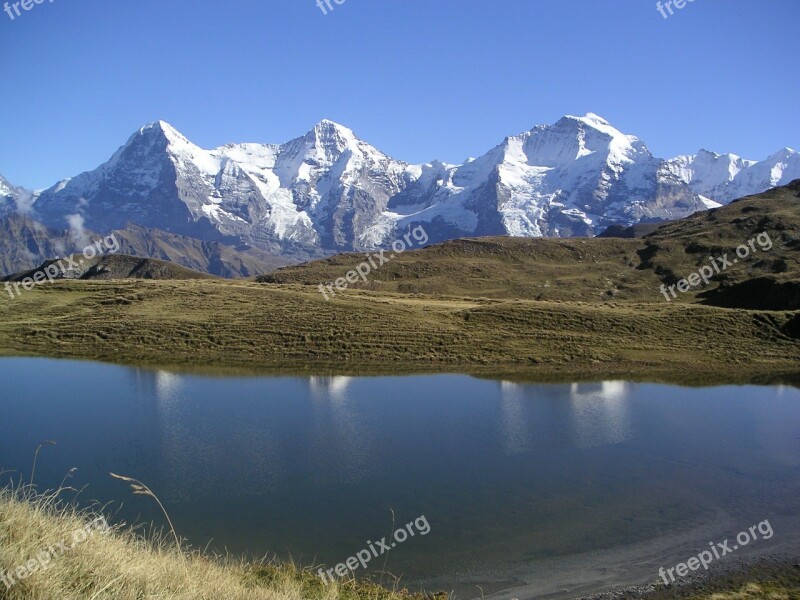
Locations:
(328, 191)
(322, 190)
(575, 177)
(725, 177)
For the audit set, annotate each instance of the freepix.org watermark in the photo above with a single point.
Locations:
(43, 559)
(325, 6)
(376, 549)
(717, 551)
(57, 268)
(12, 9)
(666, 7)
(717, 266)
(374, 261)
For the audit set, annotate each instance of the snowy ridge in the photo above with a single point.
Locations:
(725, 177)
(329, 191)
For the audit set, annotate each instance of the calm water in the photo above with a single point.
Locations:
(506, 474)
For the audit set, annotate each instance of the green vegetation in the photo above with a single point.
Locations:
(766, 579)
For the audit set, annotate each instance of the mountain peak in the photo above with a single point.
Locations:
(162, 128)
(327, 129)
(783, 153)
(598, 123)
(591, 119)
(595, 119)
(157, 137)
(328, 141)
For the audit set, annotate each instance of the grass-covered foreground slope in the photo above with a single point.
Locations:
(122, 565)
(493, 306)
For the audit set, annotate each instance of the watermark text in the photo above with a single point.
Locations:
(374, 261)
(43, 559)
(376, 549)
(57, 268)
(12, 8)
(717, 266)
(716, 552)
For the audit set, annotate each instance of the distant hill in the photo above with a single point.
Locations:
(117, 266)
(634, 231)
(768, 280)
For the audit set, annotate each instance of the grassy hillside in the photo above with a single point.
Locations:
(589, 270)
(766, 279)
(244, 324)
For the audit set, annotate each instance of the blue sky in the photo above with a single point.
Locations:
(419, 79)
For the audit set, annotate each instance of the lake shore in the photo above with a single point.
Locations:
(632, 571)
(769, 576)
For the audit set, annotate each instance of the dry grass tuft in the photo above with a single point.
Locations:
(753, 591)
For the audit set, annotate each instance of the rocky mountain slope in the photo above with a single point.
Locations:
(25, 244)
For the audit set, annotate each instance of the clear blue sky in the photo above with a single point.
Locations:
(420, 79)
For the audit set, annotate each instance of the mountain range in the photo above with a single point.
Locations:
(326, 192)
